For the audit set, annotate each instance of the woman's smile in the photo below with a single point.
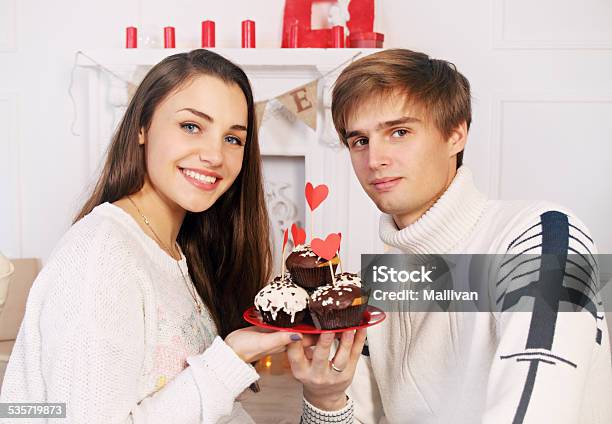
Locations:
(204, 180)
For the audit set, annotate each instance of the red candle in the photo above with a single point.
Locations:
(169, 40)
(366, 40)
(293, 35)
(248, 34)
(131, 38)
(338, 36)
(208, 34)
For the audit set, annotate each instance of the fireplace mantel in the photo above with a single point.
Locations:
(289, 58)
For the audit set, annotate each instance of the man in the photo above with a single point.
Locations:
(405, 118)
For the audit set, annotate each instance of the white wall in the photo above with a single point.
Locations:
(541, 81)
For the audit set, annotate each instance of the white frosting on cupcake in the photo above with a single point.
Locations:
(282, 295)
(304, 250)
(348, 278)
(343, 283)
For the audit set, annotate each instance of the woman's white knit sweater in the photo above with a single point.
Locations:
(488, 367)
(111, 329)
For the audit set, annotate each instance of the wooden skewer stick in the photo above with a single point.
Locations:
(331, 269)
(282, 263)
(283, 254)
(311, 233)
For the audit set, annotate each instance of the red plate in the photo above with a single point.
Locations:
(371, 316)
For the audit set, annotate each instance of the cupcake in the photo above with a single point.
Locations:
(340, 305)
(282, 303)
(309, 270)
(348, 278)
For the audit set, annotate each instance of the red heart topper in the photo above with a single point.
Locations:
(326, 248)
(285, 237)
(315, 195)
(298, 234)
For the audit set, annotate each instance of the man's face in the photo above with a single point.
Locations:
(401, 160)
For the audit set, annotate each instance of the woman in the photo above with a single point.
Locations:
(136, 317)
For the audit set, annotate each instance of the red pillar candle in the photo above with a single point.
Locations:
(131, 38)
(208, 34)
(169, 40)
(248, 34)
(294, 35)
(338, 36)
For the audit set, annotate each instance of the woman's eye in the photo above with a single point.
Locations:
(233, 140)
(400, 133)
(190, 128)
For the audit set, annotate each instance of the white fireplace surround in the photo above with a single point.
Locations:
(292, 152)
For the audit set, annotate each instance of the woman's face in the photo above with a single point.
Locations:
(195, 143)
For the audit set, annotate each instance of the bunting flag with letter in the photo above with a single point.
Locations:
(131, 90)
(260, 109)
(302, 102)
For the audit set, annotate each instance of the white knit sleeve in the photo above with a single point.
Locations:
(544, 355)
(221, 377)
(313, 415)
(206, 390)
(92, 355)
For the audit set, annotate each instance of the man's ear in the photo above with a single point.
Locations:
(141, 137)
(457, 139)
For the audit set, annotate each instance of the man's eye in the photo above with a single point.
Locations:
(400, 133)
(360, 142)
(190, 128)
(233, 140)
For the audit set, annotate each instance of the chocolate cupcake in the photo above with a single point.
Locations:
(309, 270)
(282, 303)
(348, 278)
(340, 305)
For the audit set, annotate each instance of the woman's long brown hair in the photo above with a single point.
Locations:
(227, 246)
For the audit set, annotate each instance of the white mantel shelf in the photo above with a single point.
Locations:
(243, 57)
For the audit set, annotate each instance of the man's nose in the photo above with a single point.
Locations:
(378, 154)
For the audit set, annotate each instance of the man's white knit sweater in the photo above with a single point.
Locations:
(494, 368)
(111, 329)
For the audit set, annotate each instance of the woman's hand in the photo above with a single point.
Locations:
(253, 343)
(325, 382)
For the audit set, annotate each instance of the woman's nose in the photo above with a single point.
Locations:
(211, 153)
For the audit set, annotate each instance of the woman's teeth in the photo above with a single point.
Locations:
(200, 177)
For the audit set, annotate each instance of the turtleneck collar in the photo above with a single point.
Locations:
(446, 224)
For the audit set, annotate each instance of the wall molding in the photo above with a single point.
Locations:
(501, 42)
(8, 26)
(499, 100)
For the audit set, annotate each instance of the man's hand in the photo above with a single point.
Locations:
(325, 382)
